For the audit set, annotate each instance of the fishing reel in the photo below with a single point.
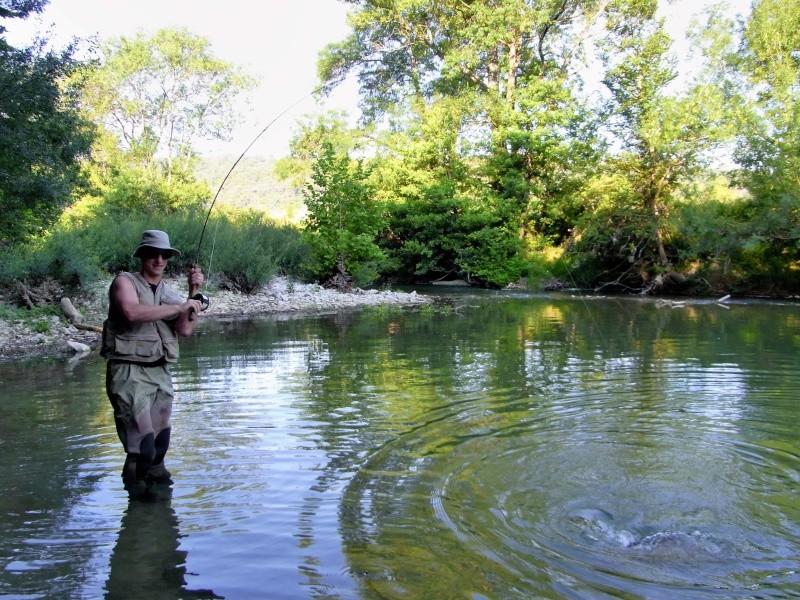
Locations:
(203, 299)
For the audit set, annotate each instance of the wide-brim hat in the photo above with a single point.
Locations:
(153, 238)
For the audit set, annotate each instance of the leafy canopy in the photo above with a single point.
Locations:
(42, 135)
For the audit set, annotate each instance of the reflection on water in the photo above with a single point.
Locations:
(146, 560)
(514, 447)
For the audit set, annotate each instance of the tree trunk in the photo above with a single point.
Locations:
(513, 65)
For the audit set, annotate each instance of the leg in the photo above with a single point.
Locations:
(161, 446)
(131, 394)
(157, 471)
(160, 414)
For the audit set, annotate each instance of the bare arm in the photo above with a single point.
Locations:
(124, 296)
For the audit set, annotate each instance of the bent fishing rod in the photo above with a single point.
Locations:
(194, 292)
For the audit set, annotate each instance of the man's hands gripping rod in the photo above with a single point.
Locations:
(195, 280)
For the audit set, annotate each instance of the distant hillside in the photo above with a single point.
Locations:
(252, 185)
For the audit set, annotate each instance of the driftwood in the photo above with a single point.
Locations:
(42, 294)
(663, 280)
(342, 280)
(76, 317)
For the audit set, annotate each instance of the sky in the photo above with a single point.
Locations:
(277, 41)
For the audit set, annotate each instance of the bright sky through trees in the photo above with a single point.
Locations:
(275, 40)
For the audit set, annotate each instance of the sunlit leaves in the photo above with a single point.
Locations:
(160, 94)
(342, 220)
(42, 136)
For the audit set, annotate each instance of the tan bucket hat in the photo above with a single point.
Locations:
(153, 238)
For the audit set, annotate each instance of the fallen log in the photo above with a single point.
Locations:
(76, 317)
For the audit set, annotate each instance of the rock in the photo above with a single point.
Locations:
(17, 340)
(78, 347)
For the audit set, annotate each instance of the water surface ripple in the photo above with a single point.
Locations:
(508, 447)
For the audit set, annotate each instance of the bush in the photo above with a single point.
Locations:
(61, 255)
(246, 249)
(343, 219)
(238, 246)
(444, 233)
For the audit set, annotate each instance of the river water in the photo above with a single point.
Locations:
(505, 446)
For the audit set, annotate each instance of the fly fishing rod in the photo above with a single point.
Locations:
(194, 292)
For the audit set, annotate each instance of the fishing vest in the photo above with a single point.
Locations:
(140, 342)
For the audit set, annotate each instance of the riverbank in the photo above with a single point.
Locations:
(58, 337)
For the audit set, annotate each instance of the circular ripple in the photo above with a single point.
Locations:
(595, 479)
(648, 508)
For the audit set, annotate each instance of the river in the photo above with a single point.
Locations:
(505, 446)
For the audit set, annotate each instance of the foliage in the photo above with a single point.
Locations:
(307, 143)
(769, 148)
(56, 263)
(343, 220)
(142, 191)
(37, 318)
(154, 97)
(245, 249)
(42, 136)
(482, 154)
(443, 235)
(506, 65)
(445, 47)
(158, 95)
(491, 94)
(20, 9)
(664, 139)
(613, 235)
(242, 248)
(742, 244)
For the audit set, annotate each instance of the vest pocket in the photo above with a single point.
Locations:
(144, 345)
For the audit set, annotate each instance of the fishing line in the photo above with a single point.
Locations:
(213, 247)
(241, 156)
(202, 297)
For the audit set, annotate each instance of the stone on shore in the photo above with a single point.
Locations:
(19, 340)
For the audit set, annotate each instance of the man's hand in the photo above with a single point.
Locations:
(191, 306)
(195, 279)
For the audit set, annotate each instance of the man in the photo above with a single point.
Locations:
(140, 341)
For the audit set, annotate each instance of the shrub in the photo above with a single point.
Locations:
(246, 249)
(239, 246)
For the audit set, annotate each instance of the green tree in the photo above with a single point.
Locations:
(306, 143)
(764, 70)
(664, 139)
(342, 220)
(443, 221)
(770, 61)
(42, 136)
(158, 95)
(497, 85)
(19, 9)
(514, 63)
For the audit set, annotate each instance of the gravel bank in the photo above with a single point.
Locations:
(60, 338)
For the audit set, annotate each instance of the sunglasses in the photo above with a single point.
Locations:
(155, 253)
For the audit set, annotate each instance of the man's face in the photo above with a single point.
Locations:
(154, 261)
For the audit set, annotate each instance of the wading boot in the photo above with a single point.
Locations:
(159, 474)
(135, 486)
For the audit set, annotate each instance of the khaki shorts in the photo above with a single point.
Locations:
(142, 400)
